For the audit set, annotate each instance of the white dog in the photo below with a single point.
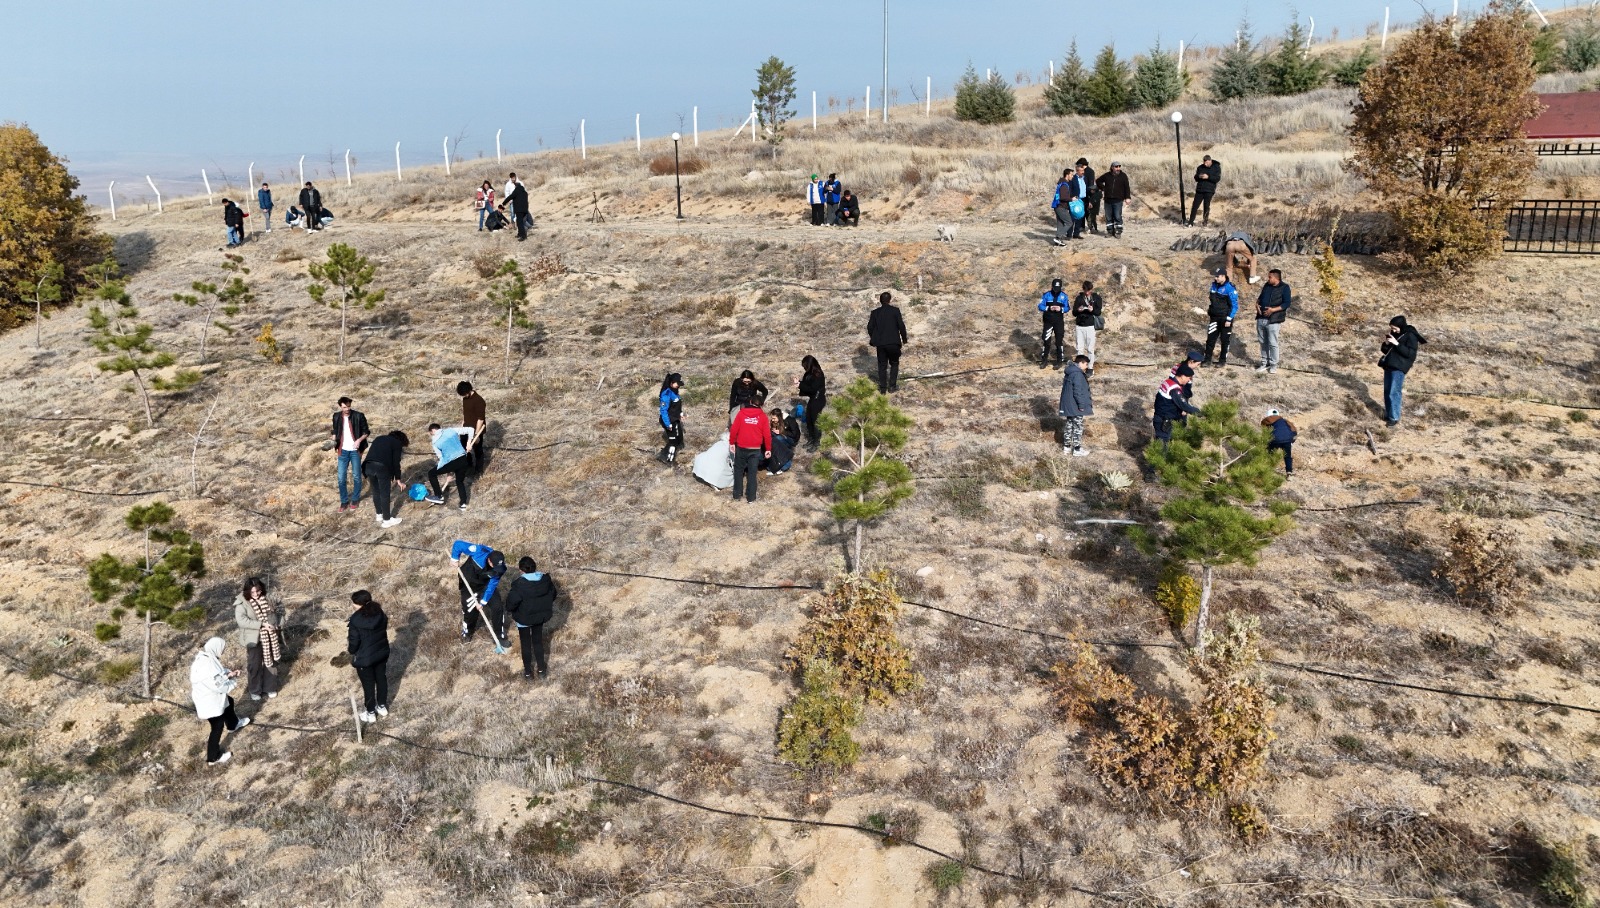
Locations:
(947, 233)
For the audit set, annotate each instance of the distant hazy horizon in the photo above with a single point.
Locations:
(123, 91)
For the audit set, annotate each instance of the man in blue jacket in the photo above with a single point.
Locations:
(831, 191)
(1221, 309)
(1053, 307)
(264, 202)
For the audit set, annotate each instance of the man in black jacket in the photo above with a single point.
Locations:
(1272, 307)
(349, 441)
(1088, 312)
(1206, 178)
(1091, 201)
(886, 331)
(530, 603)
(311, 204)
(1399, 354)
(233, 217)
(1113, 185)
(382, 469)
(517, 198)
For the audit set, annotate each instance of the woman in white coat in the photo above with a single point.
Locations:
(209, 683)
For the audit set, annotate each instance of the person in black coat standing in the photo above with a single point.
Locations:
(233, 217)
(1206, 178)
(382, 469)
(311, 204)
(1399, 354)
(886, 331)
(517, 198)
(1113, 185)
(813, 386)
(1091, 201)
(367, 642)
(530, 603)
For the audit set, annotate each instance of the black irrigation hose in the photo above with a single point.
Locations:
(46, 485)
(791, 587)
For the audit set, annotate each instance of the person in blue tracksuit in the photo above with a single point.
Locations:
(481, 568)
(670, 416)
(264, 202)
(1222, 307)
(1283, 436)
(831, 193)
(1053, 307)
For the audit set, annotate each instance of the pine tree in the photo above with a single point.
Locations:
(136, 354)
(1349, 72)
(212, 298)
(510, 289)
(1065, 94)
(1292, 70)
(861, 428)
(44, 286)
(986, 101)
(1582, 49)
(350, 274)
(1238, 71)
(1109, 88)
(155, 589)
(1216, 464)
(1157, 81)
(774, 92)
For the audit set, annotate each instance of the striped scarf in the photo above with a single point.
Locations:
(271, 639)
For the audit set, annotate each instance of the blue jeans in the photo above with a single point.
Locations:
(235, 236)
(1394, 382)
(349, 464)
(482, 213)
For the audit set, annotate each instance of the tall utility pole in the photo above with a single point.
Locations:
(885, 95)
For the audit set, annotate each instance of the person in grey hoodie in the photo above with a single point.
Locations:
(1076, 403)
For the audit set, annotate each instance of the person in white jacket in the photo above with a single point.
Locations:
(209, 683)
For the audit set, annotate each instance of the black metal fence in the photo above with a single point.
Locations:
(1566, 149)
(1568, 227)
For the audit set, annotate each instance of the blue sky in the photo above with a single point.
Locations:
(125, 87)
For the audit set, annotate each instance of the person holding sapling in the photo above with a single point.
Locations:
(1172, 403)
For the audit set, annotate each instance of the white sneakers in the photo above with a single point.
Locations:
(1080, 451)
(391, 522)
(226, 756)
(242, 724)
(383, 710)
(368, 717)
(1255, 279)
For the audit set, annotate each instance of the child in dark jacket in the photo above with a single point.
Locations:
(368, 645)
(530, 603)
(1283, 436)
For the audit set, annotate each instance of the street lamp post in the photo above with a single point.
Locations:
(677, 180)
(1177, 134)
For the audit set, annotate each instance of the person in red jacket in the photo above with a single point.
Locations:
(749, 440)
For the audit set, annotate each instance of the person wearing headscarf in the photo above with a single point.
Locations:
(210, 682)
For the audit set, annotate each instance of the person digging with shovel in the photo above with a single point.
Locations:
(478, 571)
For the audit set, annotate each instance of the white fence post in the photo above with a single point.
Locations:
(398, 176)
(753, 121)
(154, 190)
(813, 111)
(302, 170)
(869, 104)
(446, 155)
(497, 146)
(638, 141)
(1310, 30)
(206, 180)
(1385, 42)
(250, 178)
(1180, 57)
(347, 167)
(1053, 68)
(583, 141)
(112, 195)
(928, 98)
(697, 126)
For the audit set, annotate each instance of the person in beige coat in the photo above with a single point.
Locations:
(260, 622)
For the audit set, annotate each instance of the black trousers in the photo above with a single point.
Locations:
(1053, 335)
(381, 483)
(671, 443)
(746, 466)
(814, 407)
(263, 680)
(532, 639)
(457, 468)
(889, 369)
(522, 219)
(229, 720)
(477, 457)
(1287, 447)
(1218, 332)
(1091, 212)
(374, 684)
(1202, 200)
(816, 215)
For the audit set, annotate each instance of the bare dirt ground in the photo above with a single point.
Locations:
(1374, 793)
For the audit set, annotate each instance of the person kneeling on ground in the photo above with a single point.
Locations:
(530, 603)
(294, 217)
(849, 210)
(1283, 436)
(785, 436)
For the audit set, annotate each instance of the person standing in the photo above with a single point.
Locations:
(350, 441)
(1091, 199)
(452, 458)
(383, 471)
(1076, 403)
(474, 415)
(264, 202)
(746, 391)
(886, 331)
(1399, 350)
(814, 199)
(233, 217)
(832, 190)
(260, 624)
(1172, 403)
(1206, 178)
(530, 603)
(813, 386)
(1114, 190)
(1272, 308)
(311, 204)
(210, 683)
(1077, 191)
(671, 417)
(517, 198)
(484, 202)
(1058, 204)
(1283, 436)
(367, 642)
(749, 441)
(1221, 309)
(1087, 317)
(1052, 332)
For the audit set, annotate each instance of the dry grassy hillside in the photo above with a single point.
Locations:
(474, 791)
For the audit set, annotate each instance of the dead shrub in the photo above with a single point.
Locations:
(1480, 568)
(486, 262)
(661, 165)
(852, 626)
(911, 175)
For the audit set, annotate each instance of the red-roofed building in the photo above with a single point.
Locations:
(1569, 115)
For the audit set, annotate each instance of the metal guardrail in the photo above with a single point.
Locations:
(1565, 227)
(1560, 149)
